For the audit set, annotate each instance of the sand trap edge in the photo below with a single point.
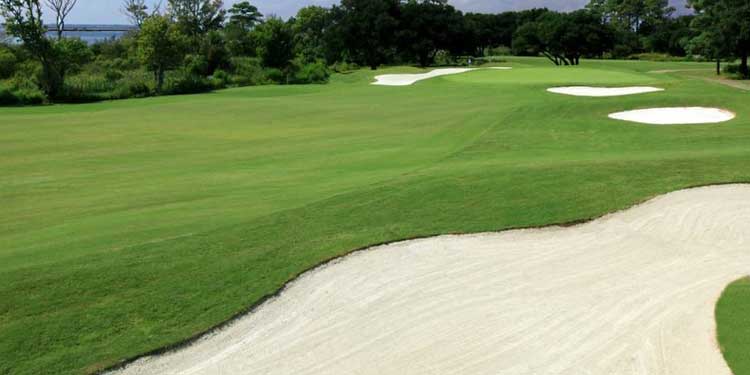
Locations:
(600, 92)
(675, 116)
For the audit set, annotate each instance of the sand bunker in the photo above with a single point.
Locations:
(675, 116)
(631, 293)
(602, 91)
(410, 79)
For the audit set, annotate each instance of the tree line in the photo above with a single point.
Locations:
(197, 45)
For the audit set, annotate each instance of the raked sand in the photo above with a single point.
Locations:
(675, 116)
(630, 293)
(603, 91)
(410, 79)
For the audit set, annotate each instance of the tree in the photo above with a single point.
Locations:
(428, 26)
(632, 15)
(244, 15)
(564, 37)
(197, 17)
(61, 8)
(310, 27)
(491, 30)
(275, 43)
(160, 46)
(724, 27)
(368, 28)
(23, 19)
(136, 11)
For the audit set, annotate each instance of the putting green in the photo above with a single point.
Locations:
(733, 318)
(131, 225)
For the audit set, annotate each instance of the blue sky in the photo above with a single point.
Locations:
(107, 11)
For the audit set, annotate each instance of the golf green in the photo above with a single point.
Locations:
(733, 317)
(132, 225)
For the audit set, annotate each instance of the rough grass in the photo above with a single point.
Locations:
(130, 225)
(733, 318)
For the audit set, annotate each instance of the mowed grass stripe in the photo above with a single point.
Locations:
(180, 212)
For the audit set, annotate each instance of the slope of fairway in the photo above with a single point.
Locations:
(733, 318)
(128, 226)
(629, 290)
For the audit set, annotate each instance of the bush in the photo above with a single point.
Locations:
(182, 82)
(499, 51)
(132, 89)
(274, 75)
(344, 67)
(301, 73)
(246, 71)
(653, 56)
(10, 95)
(7, 63)
(731, 69)
(220, 79)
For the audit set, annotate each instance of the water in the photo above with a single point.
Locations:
(95, 33)
(88, 33)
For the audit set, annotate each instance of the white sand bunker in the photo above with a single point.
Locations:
(631, 293)
(410, 79)
(675, 116)
(602, 91)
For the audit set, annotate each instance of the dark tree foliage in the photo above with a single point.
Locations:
(565, 37)
(368, 29)
(275, 42)
(197, 17)
(725, 29)
(244, 15)
(426, 27)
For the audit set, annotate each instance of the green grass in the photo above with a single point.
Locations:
(733, 319)
(130, 225)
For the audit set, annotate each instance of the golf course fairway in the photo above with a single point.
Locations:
(131, 226)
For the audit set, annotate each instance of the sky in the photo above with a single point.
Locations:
(107, 11)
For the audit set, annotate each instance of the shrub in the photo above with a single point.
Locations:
(274, 75)
(344, 67)
(220, 79)
(10, 95)
(7, 63)
(731, 69)
(182, 82)
(246, 71)
(653, 56)
(301, 73)
(132, 89)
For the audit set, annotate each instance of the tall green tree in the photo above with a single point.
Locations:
(135, 10)
(632, 14)
(244, 15)
(368, 29)
(24, 20)
(427, 26)
(310, 26)
(724, 27)
(197, 17)
(275, 43)
(564, 37)
(161, 46)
